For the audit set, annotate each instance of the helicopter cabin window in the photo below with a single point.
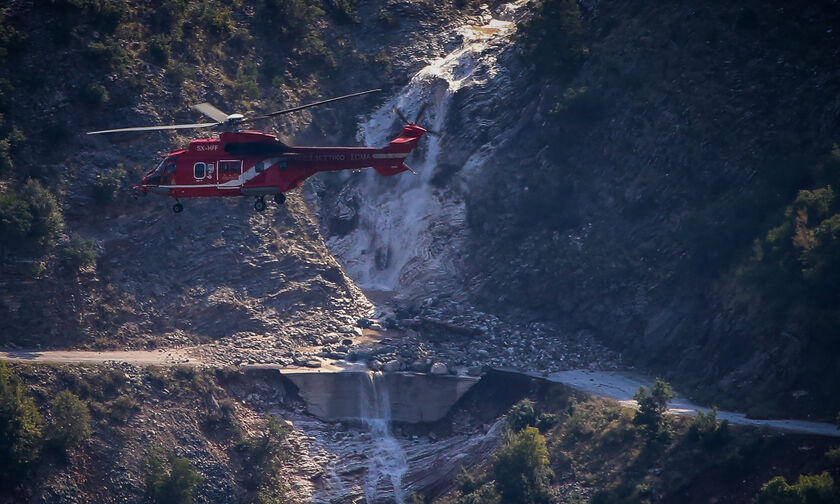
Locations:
(199, 170)
(169, 167)
(231, 167)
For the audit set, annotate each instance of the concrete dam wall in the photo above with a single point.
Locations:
(359, 394)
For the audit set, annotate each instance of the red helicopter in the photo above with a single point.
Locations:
(252, 163)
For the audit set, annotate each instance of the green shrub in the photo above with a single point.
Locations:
(121, 409)
(107, 185)
(70, 421)
(652, 405)
(170, 479)
(8, 145)
(31, 216)
(466, 482)
(487, 494)
(21, 428)
(94, 95)
(262, 455)
(178, 72)
(160, 49)
(816, 489)
(521, 415)
(521, 468)
(105, 15)
(706, 429)
(47, 219)
(246, 81)
(78, 253)
(15, 219)
(110, 52)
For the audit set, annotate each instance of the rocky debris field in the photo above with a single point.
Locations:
(437, 339)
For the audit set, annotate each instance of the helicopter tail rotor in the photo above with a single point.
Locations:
(420, 111)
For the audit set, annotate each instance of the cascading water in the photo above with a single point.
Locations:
(408, 230)
(386, 458)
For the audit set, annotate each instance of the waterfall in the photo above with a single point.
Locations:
(386, 458)
(407, 228)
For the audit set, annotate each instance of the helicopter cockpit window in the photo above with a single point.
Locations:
(199, 170)
(169, 167)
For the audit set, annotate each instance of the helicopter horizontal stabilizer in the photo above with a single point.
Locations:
(388, 171)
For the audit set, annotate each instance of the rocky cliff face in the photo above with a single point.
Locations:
(618, 193)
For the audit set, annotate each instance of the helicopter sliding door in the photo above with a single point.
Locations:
(229, 174)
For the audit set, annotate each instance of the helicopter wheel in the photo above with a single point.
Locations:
(177, 207)
(279, 198)
(259, 205)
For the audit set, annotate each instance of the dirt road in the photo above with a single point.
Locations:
(615, 385)
(161, 357)
(622, 386)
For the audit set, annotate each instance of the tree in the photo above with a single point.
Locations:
(521, 468)
(653, 404)
(70, 421)
(20, 428)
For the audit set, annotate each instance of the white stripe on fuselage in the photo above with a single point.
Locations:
(397, 155)
(251, 172)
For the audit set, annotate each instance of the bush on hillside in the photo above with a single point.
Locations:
(31, 216)
(816, 489)
(106, 185)
(47, 220)
(170, 479)
(21, 429)
(94, 95)
(487, 494)
(15, 219)
(706, 430)
(70, 421)
(652, 405)
(523, 414)
(263, 454)
(78, 253)
(522, 470)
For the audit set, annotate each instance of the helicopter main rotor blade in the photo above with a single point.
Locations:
(315, 104)
(155, 128)
(211, 111)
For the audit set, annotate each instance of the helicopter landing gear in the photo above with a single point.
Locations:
(178, 207)
(279, 198)
(259, 205)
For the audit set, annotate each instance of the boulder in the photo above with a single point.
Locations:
(391, 366)
(439, 368)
